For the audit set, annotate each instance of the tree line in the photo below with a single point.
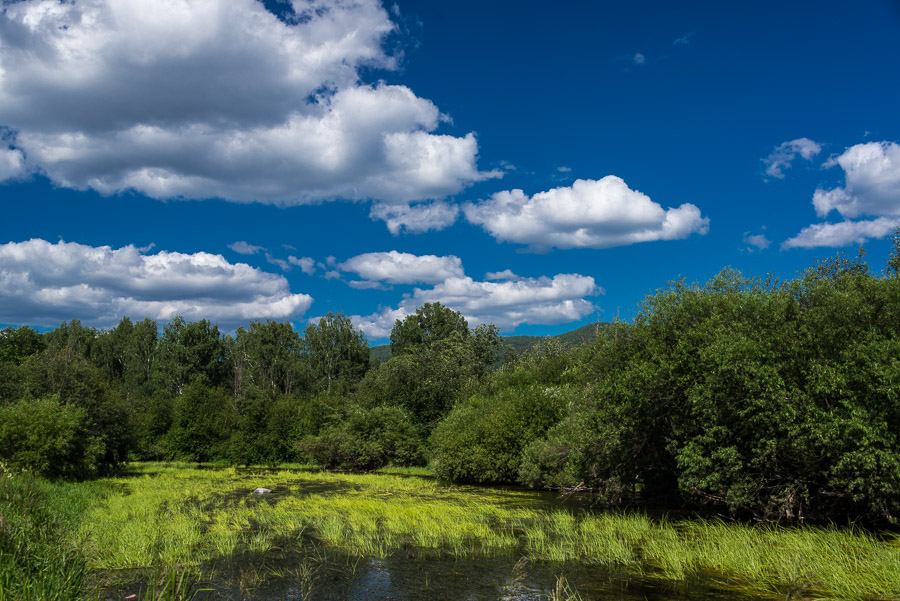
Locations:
(776, 399)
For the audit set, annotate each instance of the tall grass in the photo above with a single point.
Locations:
(178, 518)
(37, 561)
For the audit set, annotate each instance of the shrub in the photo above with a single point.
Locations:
(367, 439)
(48, 437)
(482, 439)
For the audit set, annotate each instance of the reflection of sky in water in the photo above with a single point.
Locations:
(372, 583)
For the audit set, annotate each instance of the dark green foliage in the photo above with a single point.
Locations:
(127, 353)
(153, 417)
(437, 361)
(203, 418)
(514, 346)
(17, 344)
(49, 438)
(337, 354)
(366, 439)
(549, 362)
(267, 356)
(430, 323)
(62, 371)
(482, 439)
(426, 381)
(190, 352)
(777, 399)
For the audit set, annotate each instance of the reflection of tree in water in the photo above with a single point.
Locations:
(403, 578)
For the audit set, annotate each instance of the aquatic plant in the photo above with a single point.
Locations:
(179, 517)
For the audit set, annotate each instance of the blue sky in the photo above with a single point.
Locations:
(538, 166)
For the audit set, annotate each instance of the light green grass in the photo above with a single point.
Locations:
(173, 517)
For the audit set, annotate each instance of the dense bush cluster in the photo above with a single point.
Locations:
(776, 399)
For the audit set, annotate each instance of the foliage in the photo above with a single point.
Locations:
(17, 344)
(203, 418)
(190, 352)
(430, 323)
(337, 353)
(771, 398)
(267, 356)
(482, 439)
(37, 561)
(367, 439)
(437, 361)
(62, 371)
(48, 437)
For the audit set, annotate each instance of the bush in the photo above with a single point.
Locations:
(48, 437)
(775, 399)
(482, 439)
(367, 439)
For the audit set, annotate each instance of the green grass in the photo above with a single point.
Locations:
(37, 561)
(174, 517)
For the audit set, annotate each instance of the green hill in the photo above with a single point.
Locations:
(519, 343)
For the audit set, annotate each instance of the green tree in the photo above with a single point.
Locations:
(190, 352)
(203, 419)
(337, 353)
(17, 344)
(430, 323)
(49, 437)
(483, 437)
(366, 439)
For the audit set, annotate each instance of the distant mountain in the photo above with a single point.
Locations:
(519, 344)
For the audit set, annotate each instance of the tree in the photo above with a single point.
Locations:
(190, 352)
(17, 344)
(430, 323)
(49, 437)
(203, 418)
(267, 356)
(336, 352)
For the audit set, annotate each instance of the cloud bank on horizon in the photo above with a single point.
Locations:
(43, 283)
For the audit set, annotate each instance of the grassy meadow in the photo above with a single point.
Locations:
(178, 519)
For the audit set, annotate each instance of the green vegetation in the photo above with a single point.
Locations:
(175, 519)
(769, 400)
(38, 559)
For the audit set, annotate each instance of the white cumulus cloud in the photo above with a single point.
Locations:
(219, 98)
(785, 153)
(844, 233)
(589, 214)
(415, 218)
(43, 284)
(871, 189)
(403, 268)
(507, 304)
(872, 182)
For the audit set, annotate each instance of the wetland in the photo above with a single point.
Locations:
(327, 536)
